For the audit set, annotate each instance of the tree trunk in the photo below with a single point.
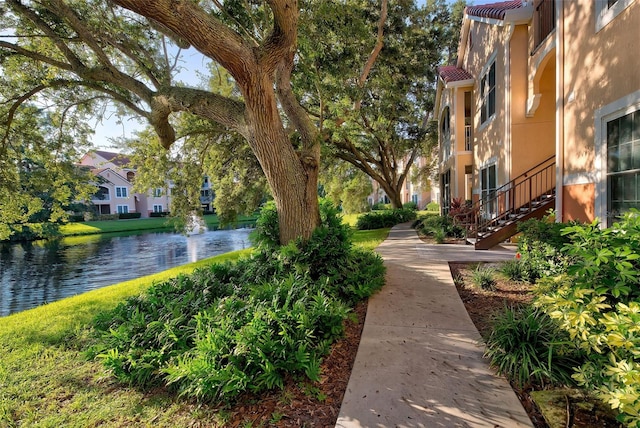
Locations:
(396, 200)
(293, 179)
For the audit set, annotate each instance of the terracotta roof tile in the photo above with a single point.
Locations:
(451, 73)
(493, 10)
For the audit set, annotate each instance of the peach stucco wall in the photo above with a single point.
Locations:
(578, 202)
(486, 42)
(599, 68)
(532, 138)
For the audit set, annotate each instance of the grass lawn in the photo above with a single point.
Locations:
(46, 381)
(155, 223)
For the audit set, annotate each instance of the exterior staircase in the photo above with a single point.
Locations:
(495, 217)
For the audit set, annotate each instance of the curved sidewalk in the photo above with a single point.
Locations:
(420, 361)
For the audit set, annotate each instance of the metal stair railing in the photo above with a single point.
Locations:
(514, 199)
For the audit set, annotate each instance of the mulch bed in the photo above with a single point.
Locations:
(481, 305)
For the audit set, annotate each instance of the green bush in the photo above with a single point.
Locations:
(433, 206)
(159, 214)
(381, 219)
(232, 328)
(124, 216)
(528, 348)
(541, 246)
(381, 206)
(518, 271)
(103, 217)
(597, 302)
(437, 225)
(484, 278)
(410, 206)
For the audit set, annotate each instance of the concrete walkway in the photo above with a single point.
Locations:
(420, 362)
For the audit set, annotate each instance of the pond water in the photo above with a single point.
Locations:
(39, 272)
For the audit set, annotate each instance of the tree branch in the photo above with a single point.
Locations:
(375, 52)
(35, 55)
(206, 33)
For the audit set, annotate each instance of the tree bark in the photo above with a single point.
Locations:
(292, 175)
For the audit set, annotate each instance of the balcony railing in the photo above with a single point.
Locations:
(467, 138)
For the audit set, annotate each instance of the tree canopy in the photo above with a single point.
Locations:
(290, 94)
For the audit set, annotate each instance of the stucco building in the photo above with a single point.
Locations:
(115, 186)
(542, 110)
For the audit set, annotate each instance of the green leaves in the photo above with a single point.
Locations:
(598, 303)
(229, 329)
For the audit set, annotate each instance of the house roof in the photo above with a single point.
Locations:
(116, 158)
(451, 73)
(493, 10)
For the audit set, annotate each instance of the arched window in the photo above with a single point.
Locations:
(130, 176)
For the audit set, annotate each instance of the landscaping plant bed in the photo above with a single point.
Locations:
(553, 404)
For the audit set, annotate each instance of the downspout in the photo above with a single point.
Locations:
(559, 110)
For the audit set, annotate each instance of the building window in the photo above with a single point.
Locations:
(121, 192)
(445, 133)
(445, 186)
(157, 192)
(123, 209)
(489, 184)
(157, 208)
(607, 10)
(414, 198)
(623, 164)
(488, 93)
(131, 176)
(205, 193)
(544, 20)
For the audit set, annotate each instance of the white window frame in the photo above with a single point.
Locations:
(122, 209)
(157, 192)
(606, 14)
(607, 113)
(157, 208)
(481, 99)
(447, 144)
(122, 192)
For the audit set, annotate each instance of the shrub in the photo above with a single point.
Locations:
(527, 347)
(103, 217)
(232, 328)
(410, 206)
(483, 277)
(382, 219)
(436, 225)
(433, 206)
(518, 271)
(380, 206)
(541, 246)
(159, 214)
(597, 302)
(124, 216)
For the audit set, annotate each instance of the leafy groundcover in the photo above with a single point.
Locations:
(245, 326)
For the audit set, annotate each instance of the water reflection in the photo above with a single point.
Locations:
(45, 271)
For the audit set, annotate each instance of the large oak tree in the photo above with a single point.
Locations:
(90, 50)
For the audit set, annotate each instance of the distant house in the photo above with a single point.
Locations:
(115, 187)
(542, 111)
